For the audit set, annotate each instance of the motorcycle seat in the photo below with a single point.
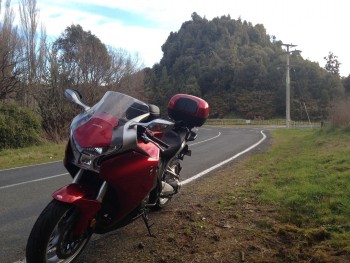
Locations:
(174, 140)
(154, 111)
(136, 110)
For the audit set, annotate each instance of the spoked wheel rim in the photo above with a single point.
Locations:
(63, 247)
(164, 200)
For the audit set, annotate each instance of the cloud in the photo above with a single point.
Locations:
(316, 26)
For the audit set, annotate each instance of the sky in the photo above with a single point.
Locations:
(141, 27)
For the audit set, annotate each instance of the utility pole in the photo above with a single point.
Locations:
(288, 84)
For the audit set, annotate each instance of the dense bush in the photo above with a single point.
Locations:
(340, 114)
(19, 127)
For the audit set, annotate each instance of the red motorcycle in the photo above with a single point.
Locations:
(124, 161)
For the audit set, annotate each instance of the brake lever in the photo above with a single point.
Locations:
(156, 140)
(146, 139)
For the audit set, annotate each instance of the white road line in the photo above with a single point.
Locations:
(32, 181)
(223, 162)
(54, 176)
(219, 134)
(183, 182)
(33, 165)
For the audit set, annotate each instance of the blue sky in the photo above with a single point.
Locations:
(142, 26)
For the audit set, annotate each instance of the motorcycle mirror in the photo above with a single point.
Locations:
(160, 125)
(74, 97)
(155, 125)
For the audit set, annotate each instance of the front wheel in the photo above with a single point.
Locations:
(52, 238)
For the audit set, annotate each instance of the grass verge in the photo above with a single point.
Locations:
(10, 158)
(306, 176)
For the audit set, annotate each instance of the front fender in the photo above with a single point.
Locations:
(72, 193)
(78, 195)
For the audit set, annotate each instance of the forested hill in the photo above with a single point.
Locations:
(240, 70)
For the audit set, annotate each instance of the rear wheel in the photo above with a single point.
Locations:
(52, 238)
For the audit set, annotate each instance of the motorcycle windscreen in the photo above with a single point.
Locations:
(98, 127)
(96, 132)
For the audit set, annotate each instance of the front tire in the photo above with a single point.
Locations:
(52, 239)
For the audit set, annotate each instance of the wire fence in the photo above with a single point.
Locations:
(272, 122)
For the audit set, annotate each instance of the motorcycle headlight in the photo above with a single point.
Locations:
(86, 159)
(89, 155)
(95, 151)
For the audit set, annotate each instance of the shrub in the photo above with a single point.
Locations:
(340, 113)
(19, 127)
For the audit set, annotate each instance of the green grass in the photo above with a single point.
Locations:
(10, 158)
(307, 176)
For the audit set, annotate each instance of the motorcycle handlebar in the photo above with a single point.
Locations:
(156, 140)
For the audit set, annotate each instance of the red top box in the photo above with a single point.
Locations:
(191, 110)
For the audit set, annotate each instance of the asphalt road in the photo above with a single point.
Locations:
(24, 192)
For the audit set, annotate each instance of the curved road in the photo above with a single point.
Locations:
(24, 192)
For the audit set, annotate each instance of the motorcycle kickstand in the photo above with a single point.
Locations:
(146, 221)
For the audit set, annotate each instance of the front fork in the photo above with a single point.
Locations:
(80, 196)
(103, 189)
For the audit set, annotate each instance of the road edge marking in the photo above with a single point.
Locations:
(195, 177)
(217, 136)
(32, 165)
(32, 181)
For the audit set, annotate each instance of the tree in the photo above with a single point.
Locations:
(91, 66)
(125, 75)
(78, 59)
(83, 60)
(10, 55)
(56, 113)
(29, 24)
(346, 84)
(34, 50)
(84, 54)
(233, 65)
(332, 63)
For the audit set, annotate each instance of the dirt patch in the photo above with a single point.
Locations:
(215, 219)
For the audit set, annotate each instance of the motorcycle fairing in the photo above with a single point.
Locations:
(80, 196)
(132, 175)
